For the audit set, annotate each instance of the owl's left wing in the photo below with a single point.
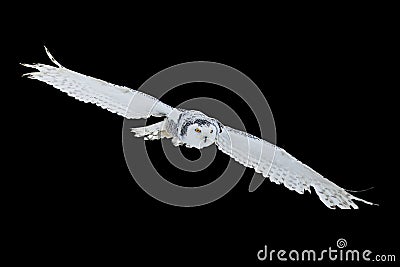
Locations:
(282, 168)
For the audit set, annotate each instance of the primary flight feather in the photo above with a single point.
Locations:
(194, 129)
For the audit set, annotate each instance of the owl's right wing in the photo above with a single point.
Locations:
(282, 168)
(126, 102)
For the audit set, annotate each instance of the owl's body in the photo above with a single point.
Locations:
(191, 128)
(195, 129)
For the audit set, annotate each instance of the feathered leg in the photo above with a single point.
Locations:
(151, 132)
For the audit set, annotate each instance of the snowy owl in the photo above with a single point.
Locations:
(195, 129)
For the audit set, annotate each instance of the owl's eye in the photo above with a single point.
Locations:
(198, 130)
(211, 131)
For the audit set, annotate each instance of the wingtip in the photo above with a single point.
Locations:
(47, 51)
(362, 190)
(27, 65)
(360, 199)
(29, 74)
(365, 201)
(51, 57)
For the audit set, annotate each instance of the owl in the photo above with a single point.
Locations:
(194, 129)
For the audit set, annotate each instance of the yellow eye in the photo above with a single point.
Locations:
(198, 130)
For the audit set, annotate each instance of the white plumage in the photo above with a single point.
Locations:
(109, 96)
(195, 129)
(282, 168)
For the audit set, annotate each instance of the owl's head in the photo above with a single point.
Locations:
(199, 132)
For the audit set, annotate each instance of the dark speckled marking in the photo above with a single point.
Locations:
(200, 122)
(184, 127)
(220, 126)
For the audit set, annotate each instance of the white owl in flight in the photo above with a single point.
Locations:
(195, 129)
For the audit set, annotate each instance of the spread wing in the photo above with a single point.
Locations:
(282, 168)
(124, 101)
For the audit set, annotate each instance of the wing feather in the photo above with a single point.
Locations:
(282, 168)
(126, 102)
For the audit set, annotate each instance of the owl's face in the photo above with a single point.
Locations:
(199, 133)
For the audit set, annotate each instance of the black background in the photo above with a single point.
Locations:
(327, 82)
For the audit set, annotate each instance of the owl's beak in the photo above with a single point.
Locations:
(205, 139)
